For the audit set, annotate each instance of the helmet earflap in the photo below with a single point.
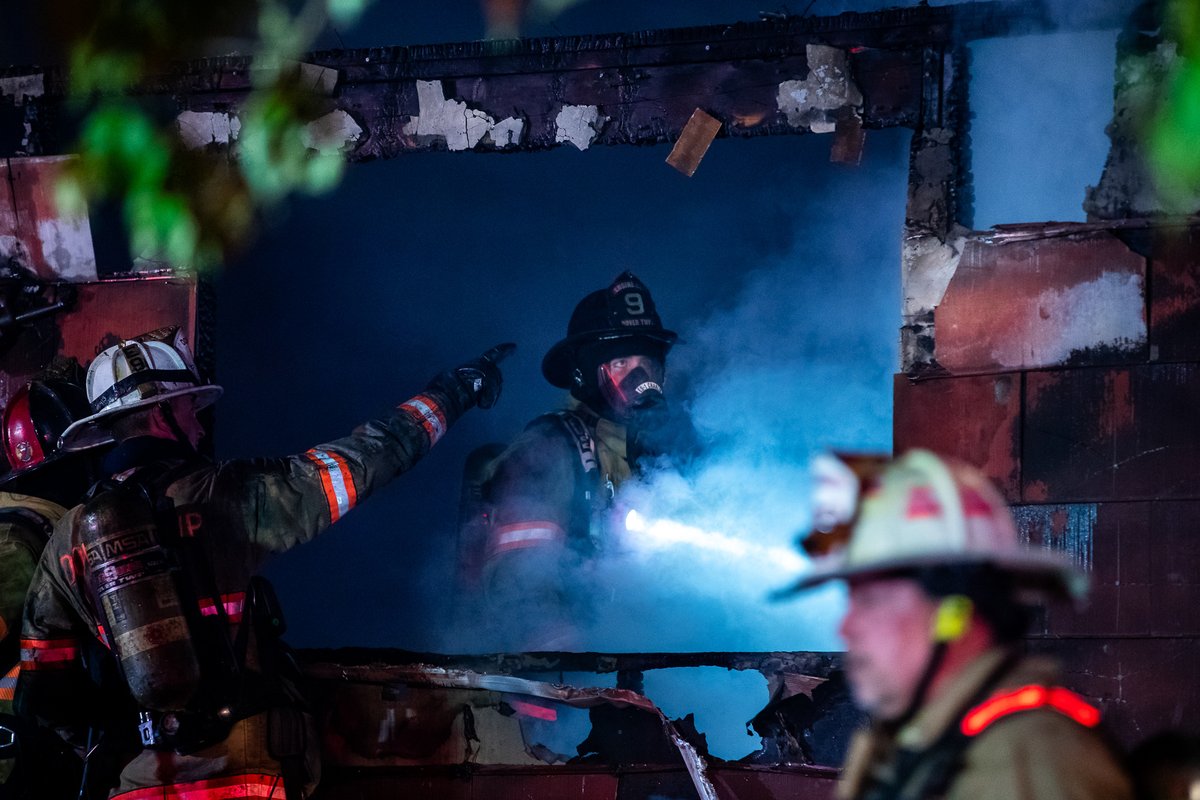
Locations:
(577, 378)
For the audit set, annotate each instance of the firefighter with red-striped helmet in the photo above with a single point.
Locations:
(160, 563)
(940, 593)
(40, 483)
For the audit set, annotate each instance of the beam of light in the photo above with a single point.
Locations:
(659, 534)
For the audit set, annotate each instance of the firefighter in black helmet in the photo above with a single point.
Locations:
(544, 497)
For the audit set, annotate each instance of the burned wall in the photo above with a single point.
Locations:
(1068, 370)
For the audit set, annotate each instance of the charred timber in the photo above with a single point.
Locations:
(646, 85)
(373, 664)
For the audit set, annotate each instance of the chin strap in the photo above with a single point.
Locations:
(951, 622)
(176, 429)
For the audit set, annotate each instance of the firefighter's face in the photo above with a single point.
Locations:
(632, 384)
(184, 409)
(887, 631)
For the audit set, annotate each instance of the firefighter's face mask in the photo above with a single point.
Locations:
(632, 387)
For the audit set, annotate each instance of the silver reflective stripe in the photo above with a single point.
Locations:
(337, 480)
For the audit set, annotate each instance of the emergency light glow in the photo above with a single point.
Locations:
(662, 533)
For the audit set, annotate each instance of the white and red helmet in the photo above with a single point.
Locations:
(137, 373)
(924, 511)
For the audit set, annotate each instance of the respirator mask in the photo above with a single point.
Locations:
(633, 390)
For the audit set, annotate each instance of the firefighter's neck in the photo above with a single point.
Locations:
(960, 654)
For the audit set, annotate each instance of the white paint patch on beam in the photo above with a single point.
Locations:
(507, 132)
(461, 127)
(335, 132)
(198, 129)
(1106, 312)
(22, 86)
(67, 246)
(811, 103)
(929, 264)
(579, 125)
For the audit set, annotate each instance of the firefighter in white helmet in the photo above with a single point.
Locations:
(940, 592)
(159, 565)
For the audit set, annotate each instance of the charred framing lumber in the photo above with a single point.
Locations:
(643, 86)
(374, 663)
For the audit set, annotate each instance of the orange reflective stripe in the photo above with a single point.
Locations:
(519, 535)
(1027, 698)
(234, 605)
(8, 684)
(336, 481)
(425, 411)
(236, 786)
(534, 710)
(48, 653)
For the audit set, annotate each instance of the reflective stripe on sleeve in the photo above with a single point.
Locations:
(43, 654)
(234, 605)
(8, 684)
(519, 535)
(336, 480)
(426, 412)
(1064, 701)
(236, 786)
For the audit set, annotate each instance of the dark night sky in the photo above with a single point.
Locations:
(779, 269)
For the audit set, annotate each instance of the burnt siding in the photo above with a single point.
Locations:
(1069, 369)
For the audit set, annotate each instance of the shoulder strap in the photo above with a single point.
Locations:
(580, 437)
(224, 657)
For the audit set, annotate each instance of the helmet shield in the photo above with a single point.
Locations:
(623, 317)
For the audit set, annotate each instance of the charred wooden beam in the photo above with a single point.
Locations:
(373, 663)
(628, 88)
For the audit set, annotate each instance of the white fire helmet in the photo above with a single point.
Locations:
(923, 511)
(136, 373)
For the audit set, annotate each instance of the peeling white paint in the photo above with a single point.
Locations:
(11, 250)
(67, 247)
(461, 127)
(811, 103)
(23, 86)
(507, 132)
(1106, 312)
(929, 264)
(332, 133)
(199, 129)
(579, 125)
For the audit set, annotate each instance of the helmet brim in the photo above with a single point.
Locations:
(1044, 572)
(94, 431)
(558, 363)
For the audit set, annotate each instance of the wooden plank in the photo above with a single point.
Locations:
(1175, 295)
(1092, 435)
(1043, 303)
(973, 418)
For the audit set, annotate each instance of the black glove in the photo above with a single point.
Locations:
(477, 382)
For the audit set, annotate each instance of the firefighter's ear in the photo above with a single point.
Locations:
(577, 378)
